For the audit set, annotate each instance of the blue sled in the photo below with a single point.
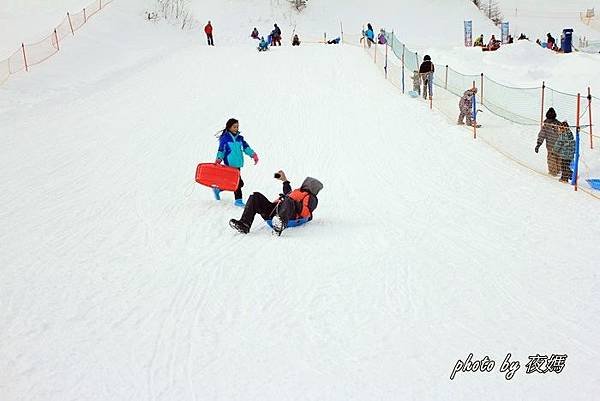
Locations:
(594, 183)
(413, 94)
(291, 223)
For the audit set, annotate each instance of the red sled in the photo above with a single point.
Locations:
(217, 176)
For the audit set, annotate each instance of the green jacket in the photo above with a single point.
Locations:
(564, 146)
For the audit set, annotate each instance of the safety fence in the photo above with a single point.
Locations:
(526, 107)
(31, 54)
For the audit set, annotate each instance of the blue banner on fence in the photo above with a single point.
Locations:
(505, 32)
(468, 33)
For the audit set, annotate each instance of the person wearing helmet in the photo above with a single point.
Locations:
(426, 71)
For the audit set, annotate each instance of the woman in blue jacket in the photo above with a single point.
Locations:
(232, 147)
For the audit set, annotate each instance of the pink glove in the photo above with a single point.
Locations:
(218, 161)
(255, 157)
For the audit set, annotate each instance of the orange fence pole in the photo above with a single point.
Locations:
(70, 23)
(56, 38)
(542, 115)
(24, 57)
(590, 114)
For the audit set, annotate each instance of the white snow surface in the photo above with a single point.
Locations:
(120, 278)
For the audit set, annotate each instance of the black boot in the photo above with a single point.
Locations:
(239, 225)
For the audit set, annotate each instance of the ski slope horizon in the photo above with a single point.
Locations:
(122, 280)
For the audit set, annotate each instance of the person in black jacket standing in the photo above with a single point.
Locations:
(426, 71)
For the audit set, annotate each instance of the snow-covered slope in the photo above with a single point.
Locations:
(120, 278)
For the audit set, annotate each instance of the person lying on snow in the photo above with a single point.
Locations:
(297, 204)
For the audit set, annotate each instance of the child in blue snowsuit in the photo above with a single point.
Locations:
(232, 147)
(263, 45)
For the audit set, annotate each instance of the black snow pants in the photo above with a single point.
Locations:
(258, 204)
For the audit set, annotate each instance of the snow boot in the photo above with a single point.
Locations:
(239, 203)
(278, 225)
(239, 225)
(217, 193)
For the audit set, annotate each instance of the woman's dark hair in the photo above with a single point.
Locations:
(551, 113)
(369, 26)
(230, 123)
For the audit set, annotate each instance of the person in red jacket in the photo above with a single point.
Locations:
(208, 31)
(291, 205)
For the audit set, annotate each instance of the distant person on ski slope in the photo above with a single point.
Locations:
(479, 41)
(381, 37)
(276, 36)
(296, 41)
(333, 41)
(254, 34)
(232, 147)
(416, 78)
(550, 42)
(564, 148)
(369, 34)
(523, 37)
(549, 133)
(465, 105)
(493, 44)
(208, 30)
(263, 45)
(426, 71)
(297, 204)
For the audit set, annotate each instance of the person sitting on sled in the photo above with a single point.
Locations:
(296, 40)
(297, 204)
(263, 45)
(478, 41)
(254, 34)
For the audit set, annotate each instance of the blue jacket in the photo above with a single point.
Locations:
(369, 34)
(232, 148)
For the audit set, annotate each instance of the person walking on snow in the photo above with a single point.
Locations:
(369, 34)
(465, 104)
(564, 148)
(276, 36)
(297, 204)
(426, 71)
(208, 30)
(232, 147)
(549, 133)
